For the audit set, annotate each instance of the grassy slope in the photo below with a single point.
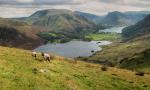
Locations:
(19, 71)
(132, 50)
(104, 36)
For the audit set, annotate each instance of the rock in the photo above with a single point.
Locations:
(43, 70)
(104, 68)
(98, 42)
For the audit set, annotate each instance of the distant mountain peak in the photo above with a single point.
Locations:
(48, 12)
(115, 14)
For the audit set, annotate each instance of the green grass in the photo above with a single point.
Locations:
(20, 71)
(104, 36)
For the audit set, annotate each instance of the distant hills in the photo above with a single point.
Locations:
(73, 20)
(60, 25)
(116, 18)
(123, 19)
(139, 29)
(66, 24)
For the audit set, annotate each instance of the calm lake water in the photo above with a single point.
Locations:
(73, 48)
(113, 29)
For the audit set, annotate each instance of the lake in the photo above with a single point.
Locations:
(73, 48)
(113, 29)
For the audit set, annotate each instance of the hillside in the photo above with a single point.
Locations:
(123, 18)
(140, 28)
(22, 72)
(59, 19)
(90, 17)
(61, 22)
(133, 54)
(18, 34)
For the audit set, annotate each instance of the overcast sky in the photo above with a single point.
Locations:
(21, 8)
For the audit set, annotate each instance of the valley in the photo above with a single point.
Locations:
(88, 52)
(132, 53)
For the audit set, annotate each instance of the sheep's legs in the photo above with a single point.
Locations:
(48, 60)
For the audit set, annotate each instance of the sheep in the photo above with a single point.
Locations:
(34, 54)
(47, 57)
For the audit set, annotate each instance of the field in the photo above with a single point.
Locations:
(104, 36)
(20, 71)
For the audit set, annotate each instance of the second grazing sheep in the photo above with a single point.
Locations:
(47, 57)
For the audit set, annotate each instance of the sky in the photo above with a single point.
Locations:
(23, 8)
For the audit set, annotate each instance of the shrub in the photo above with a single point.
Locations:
(86, 38)
(139, 73)
(64, 40)
(34, 70)
(104, 68)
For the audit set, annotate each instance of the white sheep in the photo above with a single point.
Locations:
(34, 54)
(47, 57)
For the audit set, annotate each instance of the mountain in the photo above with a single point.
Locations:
(123, 18)
(61, 22)
(89, 16)
(140, 28)
(59, 19)
(15, 33)
(115, 18)
(137, 12)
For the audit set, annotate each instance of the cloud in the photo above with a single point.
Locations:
(136, 3)
(25, 1)
(37, 2)
(20, 8)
